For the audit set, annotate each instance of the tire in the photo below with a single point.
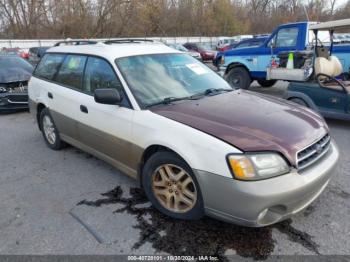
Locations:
(238, 77)
(266, 83)
(159, 187)
(49, 131)
(299, 101)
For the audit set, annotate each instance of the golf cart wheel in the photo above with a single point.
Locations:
(49, 131)
(266, 83)
(238, 77)
(299, 101)
(171, 186)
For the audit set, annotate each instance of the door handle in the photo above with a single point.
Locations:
(84, 109)
(49, 94)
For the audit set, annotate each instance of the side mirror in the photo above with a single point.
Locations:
(108, 96)
(272, 43)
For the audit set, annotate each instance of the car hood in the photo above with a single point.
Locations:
(8, 75)
(243, 51)
(250, 121)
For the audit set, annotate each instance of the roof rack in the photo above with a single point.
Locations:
(127, 40)
(76, 42)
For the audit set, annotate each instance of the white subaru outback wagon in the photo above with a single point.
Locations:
(196, 145)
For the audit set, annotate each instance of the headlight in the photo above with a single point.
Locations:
(257, 166)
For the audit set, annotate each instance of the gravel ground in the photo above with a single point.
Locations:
(68, 202)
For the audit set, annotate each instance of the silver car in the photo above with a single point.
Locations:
(196, 146)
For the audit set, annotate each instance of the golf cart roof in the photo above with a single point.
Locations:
(331, 25)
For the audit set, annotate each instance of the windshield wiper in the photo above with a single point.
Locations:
(168, 100)
(215, 91)
(211, 92)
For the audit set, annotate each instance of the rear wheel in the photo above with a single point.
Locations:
(299, 101)
(49, 131)
(266, 83)
(171, 186)
(238, 77)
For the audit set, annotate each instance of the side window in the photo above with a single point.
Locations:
(71, 71)
(99, 74)
(287, 37)
(246, 44)
(48, 66)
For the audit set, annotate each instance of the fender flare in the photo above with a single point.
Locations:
(236, 64)
(294, 94)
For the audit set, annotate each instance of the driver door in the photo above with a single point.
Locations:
(283, 40)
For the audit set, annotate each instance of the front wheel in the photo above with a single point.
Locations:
(238, 77)
(266, 83)
(171, 186)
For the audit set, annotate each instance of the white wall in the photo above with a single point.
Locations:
(22, 43)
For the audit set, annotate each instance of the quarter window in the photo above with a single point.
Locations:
(48, 66)
(71, 71)
(99, 74)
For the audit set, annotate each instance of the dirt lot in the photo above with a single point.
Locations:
(69, 202)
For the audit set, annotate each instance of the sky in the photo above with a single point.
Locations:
(339, 3)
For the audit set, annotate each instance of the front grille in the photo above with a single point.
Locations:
(311, 154)
(17, 87)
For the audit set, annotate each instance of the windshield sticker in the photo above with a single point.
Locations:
(197, 69)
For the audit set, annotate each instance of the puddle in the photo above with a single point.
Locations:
(202, 237)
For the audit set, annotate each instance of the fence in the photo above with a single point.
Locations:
(25, 43)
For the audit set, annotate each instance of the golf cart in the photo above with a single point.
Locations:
(323, 86)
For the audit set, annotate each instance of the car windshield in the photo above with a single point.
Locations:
(157, 77)
(14, 62)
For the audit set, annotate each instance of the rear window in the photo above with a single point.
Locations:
(48, 66)
(71, 71)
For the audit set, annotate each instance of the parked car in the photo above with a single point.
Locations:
(224, 41)
(15, 51)
(234, 41)
(192, 141)
(184, 49)
(14, 75)
(251, 42)
(205, 50)
(36, 53)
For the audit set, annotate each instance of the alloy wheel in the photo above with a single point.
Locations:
(174, 188)
(49, 130)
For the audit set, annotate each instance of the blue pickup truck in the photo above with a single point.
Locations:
(242, 66)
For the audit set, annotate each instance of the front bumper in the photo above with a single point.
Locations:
(265, 202)
(13, 101)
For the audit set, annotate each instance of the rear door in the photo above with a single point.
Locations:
(66, 95)
(106, 128)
